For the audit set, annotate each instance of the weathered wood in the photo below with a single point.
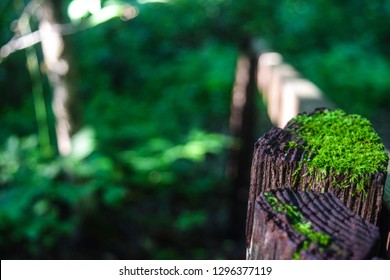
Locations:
(281, 158)
(271, 168)
(385, 220)
(275, 234)
(274, 164)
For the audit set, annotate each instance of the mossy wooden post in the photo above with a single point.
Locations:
(324, 151)
(291, 224)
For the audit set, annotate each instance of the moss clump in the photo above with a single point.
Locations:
(340, 145)
(299, 223)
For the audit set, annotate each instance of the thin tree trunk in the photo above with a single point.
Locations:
(57, 68)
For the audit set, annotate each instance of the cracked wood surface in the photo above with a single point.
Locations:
(273, 236)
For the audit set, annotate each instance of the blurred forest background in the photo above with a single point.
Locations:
(142, 91)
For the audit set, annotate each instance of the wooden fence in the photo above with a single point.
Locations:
(285, 91)
(285, 222)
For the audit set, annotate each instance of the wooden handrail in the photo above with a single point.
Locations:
(286, 94)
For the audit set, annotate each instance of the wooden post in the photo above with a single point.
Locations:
(299, 95)
(281, 159)
(279, 75)
(242, 127)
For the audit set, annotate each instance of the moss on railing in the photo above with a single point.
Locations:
(300, 224)
(339, 145)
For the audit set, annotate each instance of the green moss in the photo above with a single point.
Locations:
(293, 144)
(299, 223)
(340, 145)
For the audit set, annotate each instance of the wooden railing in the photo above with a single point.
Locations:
(270, 231)
(284, 90)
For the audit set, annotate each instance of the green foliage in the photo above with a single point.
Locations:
(340, 144)
(146, 177)
(348, 60)
(342, 73)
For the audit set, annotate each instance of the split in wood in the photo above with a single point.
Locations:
(292, 224)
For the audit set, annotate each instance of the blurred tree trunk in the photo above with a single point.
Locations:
(57, 69)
